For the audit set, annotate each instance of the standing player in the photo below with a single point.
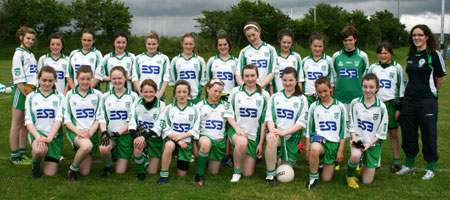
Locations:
(113, 115)
(86, 55)
(223, 66)
(257, 53)
(350, 65)
(249, 103)
(327, 128)
(392, 87)
(285, 119)
(179, 125)
(24, 71)
(43, 116)
(153, 65)
(56, 59)
(286, 58)
(190, 67)
(145, 113)
(214, 113)
(316, 65)
(82, 105)
(369, 117)
(119, 57)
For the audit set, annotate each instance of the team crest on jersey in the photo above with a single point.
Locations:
(163, 124)
(155, 116)
(340, 64)
(324, 67)
(191, 117)
(64, 66)
(55, 104)
(356, 63)
(128, 65)
(336, 115)
(196, 66)
(91, 60)
(375, 116)
(94, 102)
(159, 62)
(227, 106)
(17, 72)
(127, 104)
(258, 102)
(266, 54)
(421, 62)
(391, 74)
(293, 63)
(296, 105)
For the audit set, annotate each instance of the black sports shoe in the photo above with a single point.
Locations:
(395, 168)
(311, 183)
(73, 175)
(36, 172)
(141, 176)
(163, 180)
(106, 172)
(272, 181)
(200, 180)
(227, 160)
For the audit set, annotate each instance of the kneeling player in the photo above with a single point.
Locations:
(285, 119)
(145, 114)
(327, 126)
(370, 120)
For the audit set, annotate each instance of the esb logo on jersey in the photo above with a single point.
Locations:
(225, 76)
(248, 112)
(260, 63)
(327, 126)
(184, 75)
(147, 125)
(348, 73)
(150, 69)
(84, 113)
(118, 115)
(181, 127)
(214, 124)
(365, 125)
(45, 113)
(285, 113)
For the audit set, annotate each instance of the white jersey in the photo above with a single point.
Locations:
(369, 123)
(111, 60)
(24, 67)
(286, 111)
(313, 69)
(60, 66)
(178, 121)
(115, 111)
(80, 110)
(193, 70)
(292, 60)
(213, 118)
(263, 57)
(329, 122)
(77, 58)
(392, 80)
(42, 111)
(147, 117)
(250, 110)
(224, 70)
(154, 67)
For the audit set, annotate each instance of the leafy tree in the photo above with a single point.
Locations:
(115, 16)
(87, 14)
(54, 15)
(388, 28)
(364, 26)
(17, 13)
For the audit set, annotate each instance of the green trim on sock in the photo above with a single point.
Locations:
(203, 154)
(351, 169)
(140, 163)
(409, 162)
(22, 151)
(164, 173)
(202, 161)
(271, 172)
(313, 176)
(237, 171)
(431, 166)
(15, 155)
(397, 161)
(35, 164)
(74, 168)
(108, 164)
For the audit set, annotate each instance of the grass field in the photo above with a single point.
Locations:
(16, 181)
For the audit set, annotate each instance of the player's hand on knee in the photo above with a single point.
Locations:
(139, 142)
(182, 144)
(104, 138)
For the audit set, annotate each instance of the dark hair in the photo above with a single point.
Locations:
(84, 69)
(211, 83)
(387, 46)
(119, 34)
(223, 36)
(371, 76)
(348, 31)
(88, 31)
(432, 44)
(150, 83)
(285, 32)
(252, 67)
(258, 29)
(50, 70)
(59, 36)
(24, 30)
(181, 82)
(291, 70)
(318, 36)
(322, 80)
(121, 69)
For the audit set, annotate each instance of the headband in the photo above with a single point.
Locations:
(251, 26)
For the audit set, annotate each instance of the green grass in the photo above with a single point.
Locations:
(16, 181)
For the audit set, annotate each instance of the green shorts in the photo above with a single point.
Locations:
(393, 124)
(94, 139)
(18, 99)
(55, 147)
(196, 100)
(372, 156)
(218, 149)
(124, 146)
(251, 145)
(310, 99)
(154, 147)
(330, 153)
(184, 155)
(288, 150)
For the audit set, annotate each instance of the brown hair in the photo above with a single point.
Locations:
(119, 34)
(387, 46)
(186, 35)
(322, 80)
(285, 32)
(24, 30)
(121, 69)
(212, 83)
(224, 36)
(371, 76)
(50, 70)
(150, 83)
(291, 70)
(318, 36)
(432, 44)
(152, 35)
(59, 36)
(258, 29)
(348, 31)
(181, 82)
(84, 69)
(252, 67)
